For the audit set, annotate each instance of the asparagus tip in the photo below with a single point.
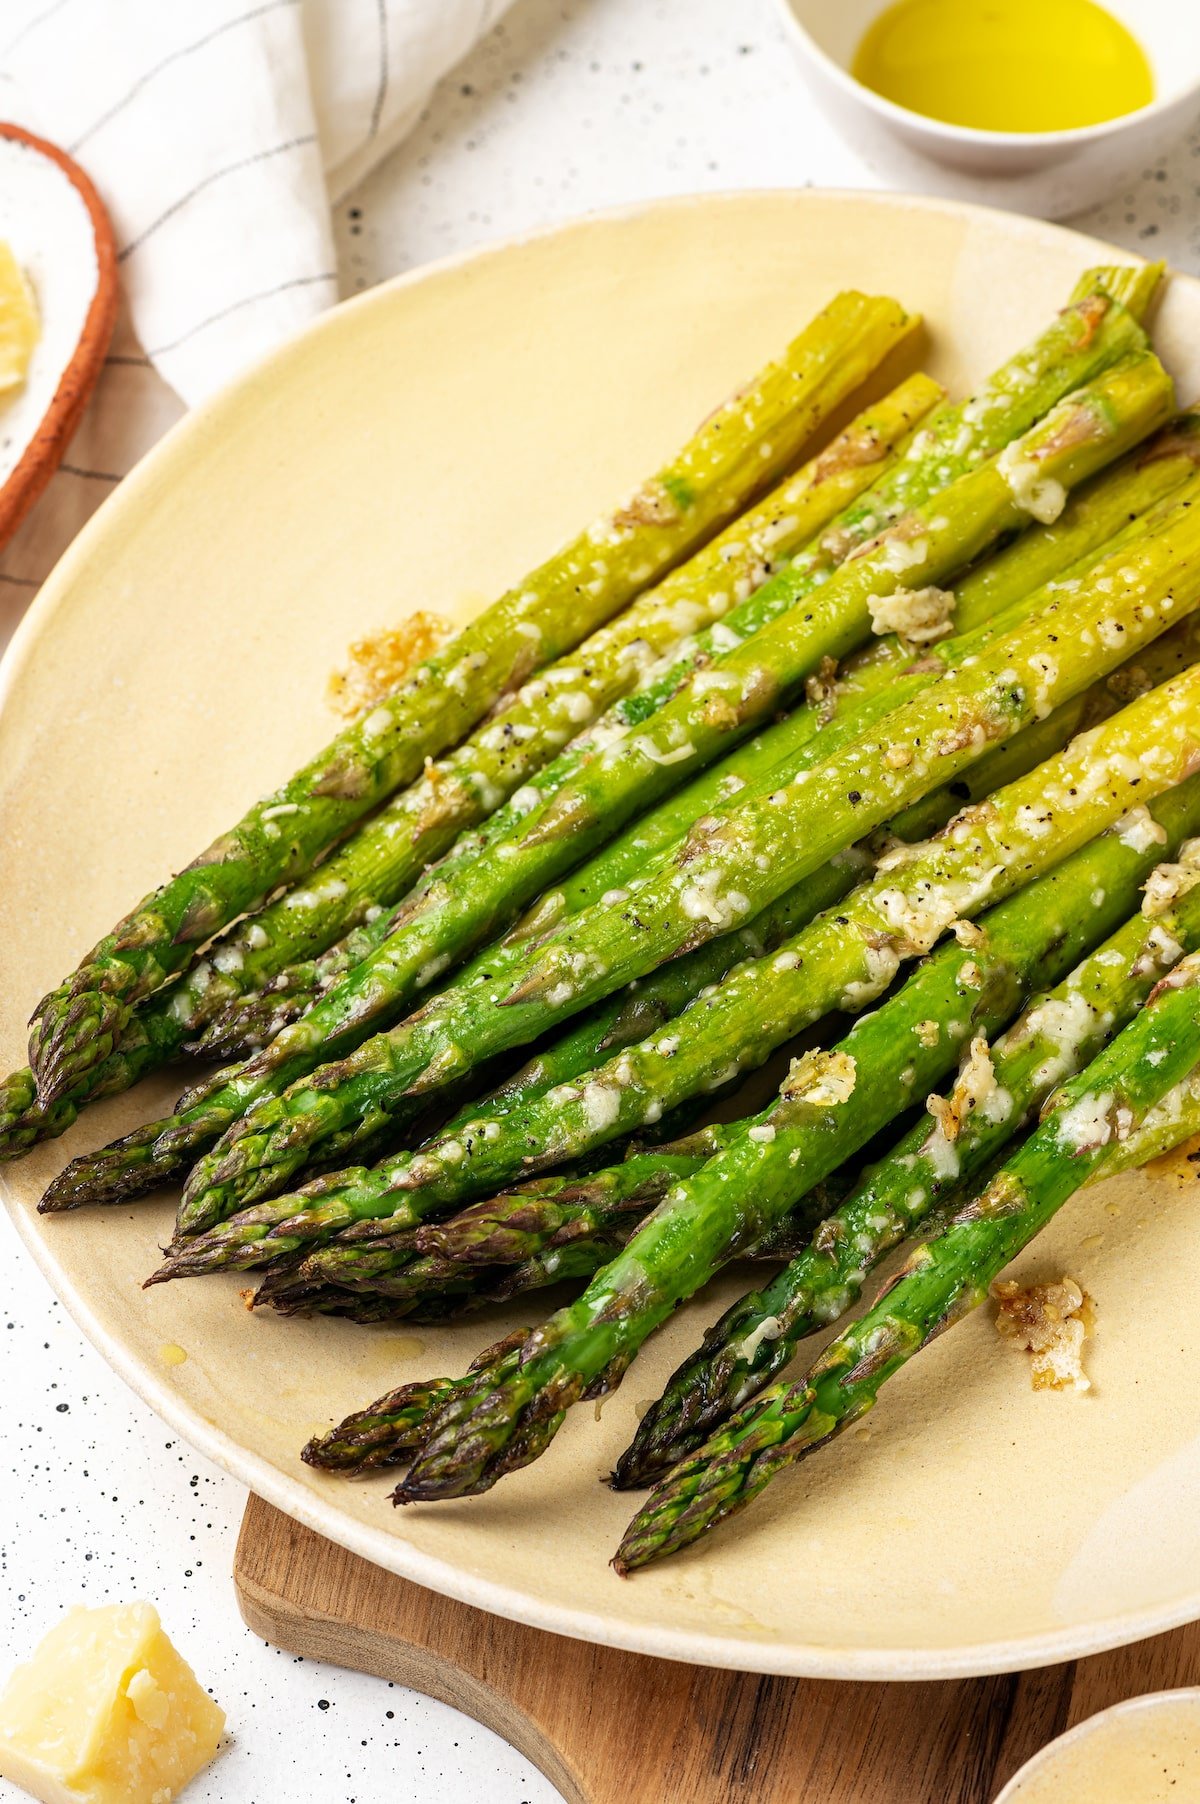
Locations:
(69, 1037)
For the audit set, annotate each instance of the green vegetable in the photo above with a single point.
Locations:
(757, 1337)
(1105, 511)
(493, 1141)
(943, 1280)
(736, 452)
(845, 957)
(723, 874)
(831, 1103)
(388, 854)
(415, 952)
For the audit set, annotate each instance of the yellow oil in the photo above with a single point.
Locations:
(1005, 65)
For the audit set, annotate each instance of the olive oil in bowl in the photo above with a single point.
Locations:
(1006, 65)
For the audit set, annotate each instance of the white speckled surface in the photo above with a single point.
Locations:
(566, 107)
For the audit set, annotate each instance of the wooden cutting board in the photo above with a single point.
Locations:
(607, 1727)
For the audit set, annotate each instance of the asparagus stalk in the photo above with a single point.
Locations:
(436, 1288)
(496, 1135)
(622, 1021)
(1092, 334)
(153, 1153)
(996, 767)
(723, 873)
(152, 1040)
(551, 1212)
(399, 1420)
(734, 695)
(735, 454)
(569, 1240)
(1135, 285)
(846, 956)
(756, 1338)
(532, 1219)
(382, 861)
(386, 1430)
(387, 854)
(1089, 1119)
(381, 1434)
(372, 1198)
(1110, 505)
(956, 439)
(1169, 1124)
(830, 1105)
(466, 1286)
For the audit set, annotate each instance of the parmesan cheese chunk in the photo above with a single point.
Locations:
(974, 1085)
(1041, 496)
(19, 328)
(1139, 830)
(770, 1328)
(106, 1712)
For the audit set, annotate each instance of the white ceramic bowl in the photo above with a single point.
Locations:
(1143, 1751)
(1048, 173)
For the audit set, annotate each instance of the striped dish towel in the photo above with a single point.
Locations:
(219, 133)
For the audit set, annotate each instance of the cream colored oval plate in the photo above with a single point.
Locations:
(421, 447)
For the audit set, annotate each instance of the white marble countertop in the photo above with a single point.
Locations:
(570, 105)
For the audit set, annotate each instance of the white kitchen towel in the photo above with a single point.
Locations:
(219, 133)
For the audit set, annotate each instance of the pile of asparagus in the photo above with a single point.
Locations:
(905, 732)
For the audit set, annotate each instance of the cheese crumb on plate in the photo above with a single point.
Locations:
(379, 663)
(1051, 1322)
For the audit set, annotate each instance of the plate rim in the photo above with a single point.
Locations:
(394, 1553)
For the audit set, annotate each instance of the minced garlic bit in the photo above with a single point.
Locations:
(974, 1084)
(918, 615)
(1051, 1322)
(820, 690)
(826, 1079)
(1168, 882)
(380, 662)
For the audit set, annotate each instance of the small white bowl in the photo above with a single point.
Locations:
(1048, 173)
(1143, 1751)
